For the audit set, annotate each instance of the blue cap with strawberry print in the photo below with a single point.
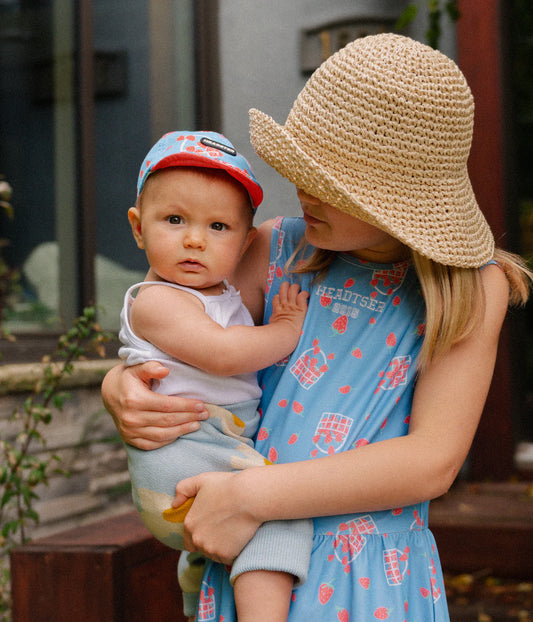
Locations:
(205, 149)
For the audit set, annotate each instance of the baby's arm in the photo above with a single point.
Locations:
(176, 323)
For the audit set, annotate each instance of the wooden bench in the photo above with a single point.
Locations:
(109, 571)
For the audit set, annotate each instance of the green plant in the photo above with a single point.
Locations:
(8, 276)
(435, 12)
(25, 462)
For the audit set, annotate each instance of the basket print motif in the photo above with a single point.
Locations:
(310, 367)
(350, 539)
(331, 432)
(206, 604)
(395, 375)
(395, 565)
(388, 281)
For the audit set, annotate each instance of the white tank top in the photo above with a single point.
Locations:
(227, 309)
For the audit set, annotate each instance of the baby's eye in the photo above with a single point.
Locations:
(174, 220)
(219, 226)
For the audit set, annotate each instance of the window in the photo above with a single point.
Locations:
(86, 87)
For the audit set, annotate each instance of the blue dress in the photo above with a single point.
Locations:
(350, 382)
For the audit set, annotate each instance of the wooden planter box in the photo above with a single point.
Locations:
(109, 571)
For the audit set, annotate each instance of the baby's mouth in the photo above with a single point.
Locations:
(191, 264)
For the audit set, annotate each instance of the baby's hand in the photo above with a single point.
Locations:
(290, 306)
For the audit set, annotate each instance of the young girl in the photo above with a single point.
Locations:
(196, 197)
(375, 411)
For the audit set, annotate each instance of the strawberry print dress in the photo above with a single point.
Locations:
(349, 383)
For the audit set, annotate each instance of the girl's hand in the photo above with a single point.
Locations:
(218, 524)
(143, 418)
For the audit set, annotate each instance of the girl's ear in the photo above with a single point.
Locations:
(134, 216)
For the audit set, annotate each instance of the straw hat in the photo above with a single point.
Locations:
(382, 130)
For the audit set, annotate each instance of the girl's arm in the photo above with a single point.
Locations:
(448, 402)
(143, 418)
(251, 275)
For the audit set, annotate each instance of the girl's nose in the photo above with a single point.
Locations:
(307, 198)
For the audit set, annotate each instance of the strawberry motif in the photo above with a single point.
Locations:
(343, 615)
(262, 434)
(382, 613)
(391, 340)
(357, 353)
(424, 591)
(346, 389)
(340, 324)
(325, 592)
(396, 301)
(325, 301)
(282, 403)
(293, 438)
(297, 407)
(273, 454)
(364, 582)
(349, 283)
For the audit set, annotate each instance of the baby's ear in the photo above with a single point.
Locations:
(250, 236)
(134, 216)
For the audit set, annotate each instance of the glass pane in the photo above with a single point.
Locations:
(36, 112)
(144, 88)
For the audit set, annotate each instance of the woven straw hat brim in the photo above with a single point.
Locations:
(462, 239)
(382, 131)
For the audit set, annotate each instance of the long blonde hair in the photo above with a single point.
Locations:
(454, 297)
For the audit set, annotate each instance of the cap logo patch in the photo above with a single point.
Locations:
(208, 142)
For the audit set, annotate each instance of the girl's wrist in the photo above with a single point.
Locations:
(250, 493)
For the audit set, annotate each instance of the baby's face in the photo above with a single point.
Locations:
(194, 227)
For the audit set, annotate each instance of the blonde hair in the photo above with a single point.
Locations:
(454, 297)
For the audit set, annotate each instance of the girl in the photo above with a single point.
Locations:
(375, 411)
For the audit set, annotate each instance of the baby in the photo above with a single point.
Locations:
(196, 197)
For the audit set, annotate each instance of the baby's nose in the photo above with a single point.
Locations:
(194, 239)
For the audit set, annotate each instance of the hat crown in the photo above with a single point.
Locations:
(399, 107)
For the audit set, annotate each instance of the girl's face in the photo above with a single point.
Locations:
(330, 229)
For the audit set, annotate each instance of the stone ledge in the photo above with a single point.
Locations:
(21, 377)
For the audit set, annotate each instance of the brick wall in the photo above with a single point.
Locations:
(85, 439)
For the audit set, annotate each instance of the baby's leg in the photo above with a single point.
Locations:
(263, 596)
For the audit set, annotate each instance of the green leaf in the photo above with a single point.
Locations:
(10, 527)
(408, 16)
